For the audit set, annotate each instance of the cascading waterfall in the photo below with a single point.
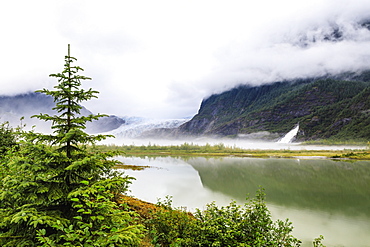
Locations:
(290, 135)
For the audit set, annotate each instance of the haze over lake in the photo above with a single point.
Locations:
(240, 143)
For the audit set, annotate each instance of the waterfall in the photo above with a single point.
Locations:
(290, 135)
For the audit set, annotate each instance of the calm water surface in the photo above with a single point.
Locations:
(326, 197)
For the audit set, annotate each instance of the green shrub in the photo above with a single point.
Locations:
(170, 226)
(247, 225)
(232, 225)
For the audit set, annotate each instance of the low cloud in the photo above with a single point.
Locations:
(161, 58)
(284, 52)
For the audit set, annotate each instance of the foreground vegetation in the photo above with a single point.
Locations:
(53, 191)
(60, 189)
(190, 149)
(233, 225)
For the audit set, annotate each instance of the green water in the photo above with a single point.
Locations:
(325, 197)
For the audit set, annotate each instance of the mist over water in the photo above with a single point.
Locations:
(236, 143)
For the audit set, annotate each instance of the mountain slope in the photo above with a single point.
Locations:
(12, 108)
(325, 108)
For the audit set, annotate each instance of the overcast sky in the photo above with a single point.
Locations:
(161, 58)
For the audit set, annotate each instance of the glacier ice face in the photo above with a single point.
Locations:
(134, 127)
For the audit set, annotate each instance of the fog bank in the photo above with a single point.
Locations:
(161, 58)
(237, 143)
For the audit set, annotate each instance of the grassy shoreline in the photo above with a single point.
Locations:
(220, 150)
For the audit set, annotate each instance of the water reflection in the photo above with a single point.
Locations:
(318, 196)
(324, 185)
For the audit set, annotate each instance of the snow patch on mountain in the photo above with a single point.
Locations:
(134, 127)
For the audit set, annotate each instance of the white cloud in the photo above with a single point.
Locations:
(160, 58)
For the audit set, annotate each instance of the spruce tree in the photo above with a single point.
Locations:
(68, 126)
(7, 138)
(54, 191)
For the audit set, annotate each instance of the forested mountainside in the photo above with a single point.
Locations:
(325, 108)
(12, 108)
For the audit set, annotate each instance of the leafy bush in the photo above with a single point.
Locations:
(169, 226)
(248, 225)
(231, 225)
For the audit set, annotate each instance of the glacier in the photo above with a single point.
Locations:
(135, 127)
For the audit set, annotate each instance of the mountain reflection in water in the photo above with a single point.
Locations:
(313, 184)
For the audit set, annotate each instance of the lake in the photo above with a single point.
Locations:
(320, 197)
